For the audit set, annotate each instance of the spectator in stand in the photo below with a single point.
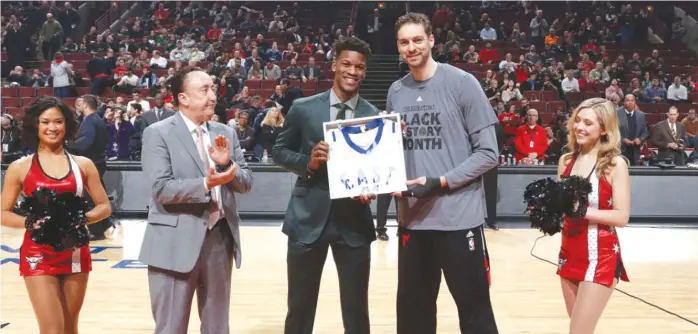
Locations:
(488, 33)
(599, 74)
(119, 131)
(69, 19)
(655, 93)
(62, 77)
(677, 93)
(511, 92)
(196, 55)
(17, 76)
(690, 123)
(179, 53)
(569, 83)
(510, 122)
(668, 135)
(488, 55)
(50, 37)
(614, 93)
(271, 125)
(244, 131)
(16, 42)
(311, 71)
(552, 39)
(507, 65)
(127, 83)
(161, 13)
(531, 140)
(256, 72)
(70, 46)
(272, 71)
(293, 72)
(555, 146)
(137, 99)
(539, 27)
(158, 62)
(273, 53)
(289, 94)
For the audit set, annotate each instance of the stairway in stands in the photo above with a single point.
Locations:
(382, 72)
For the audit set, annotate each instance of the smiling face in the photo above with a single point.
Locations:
(350, 70)
(587, 128)
(414, 44)
(51, 127)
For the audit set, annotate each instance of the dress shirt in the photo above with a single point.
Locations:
(216, 191)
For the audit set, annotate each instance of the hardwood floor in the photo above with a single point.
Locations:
(662, 265)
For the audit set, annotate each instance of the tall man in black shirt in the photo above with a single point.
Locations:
(91, 142)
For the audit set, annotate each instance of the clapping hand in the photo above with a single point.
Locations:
(220, 152)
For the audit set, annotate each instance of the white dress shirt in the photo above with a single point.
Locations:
(677, 93)
(216, 191)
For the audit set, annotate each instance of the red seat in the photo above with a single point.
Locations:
(310, 84)
(9, 92)
(27, 92)
(325, 84)
(269, 84)
(17, 113)
(12, 102)
(27, 101)
(253, 84)
(44, 91)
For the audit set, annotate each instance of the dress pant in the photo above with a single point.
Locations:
(382, 206)
(304, 266)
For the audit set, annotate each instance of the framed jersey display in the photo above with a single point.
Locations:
(366, 156)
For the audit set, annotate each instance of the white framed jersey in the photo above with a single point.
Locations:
(366, 156)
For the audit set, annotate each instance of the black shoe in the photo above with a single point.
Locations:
(493, 226)
(382, 236)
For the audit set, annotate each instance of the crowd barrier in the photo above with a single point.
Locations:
(657, 195)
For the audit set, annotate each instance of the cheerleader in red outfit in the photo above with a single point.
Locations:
(55, 281)
(590, 263)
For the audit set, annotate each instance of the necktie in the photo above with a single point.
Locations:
(213, 218)
(200, 147)
(673, 131)
(341, 114)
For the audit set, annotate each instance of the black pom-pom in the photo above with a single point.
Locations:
(65, 224)
(548, 201)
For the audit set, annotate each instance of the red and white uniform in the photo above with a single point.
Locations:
(590, 252)
(36, 259)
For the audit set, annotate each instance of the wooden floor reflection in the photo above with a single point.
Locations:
(662, 265)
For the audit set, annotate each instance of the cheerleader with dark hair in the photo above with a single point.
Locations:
(56, 279)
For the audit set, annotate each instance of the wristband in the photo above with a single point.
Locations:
(429, 188)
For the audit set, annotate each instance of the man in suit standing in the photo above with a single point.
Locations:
(288, 95)
(633, 129)
(194, 167)
(668, 136)
(157, 113)
(313, 221)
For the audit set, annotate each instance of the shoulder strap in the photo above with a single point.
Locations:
(79, 184)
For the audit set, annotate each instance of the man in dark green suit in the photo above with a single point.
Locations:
(314, 223)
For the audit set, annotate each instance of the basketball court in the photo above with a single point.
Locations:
(662, 265)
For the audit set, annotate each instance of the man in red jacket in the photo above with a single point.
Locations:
(531, 140)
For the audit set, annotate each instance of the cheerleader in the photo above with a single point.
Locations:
(590, 262)
(55, 280)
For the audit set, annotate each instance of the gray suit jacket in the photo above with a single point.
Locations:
(179, 206)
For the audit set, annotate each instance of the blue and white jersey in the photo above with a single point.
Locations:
(366, 159)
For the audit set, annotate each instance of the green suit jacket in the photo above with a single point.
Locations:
(309, 208)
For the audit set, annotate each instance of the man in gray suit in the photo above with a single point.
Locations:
(314, 222)
(633, 130)
(192, 238)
